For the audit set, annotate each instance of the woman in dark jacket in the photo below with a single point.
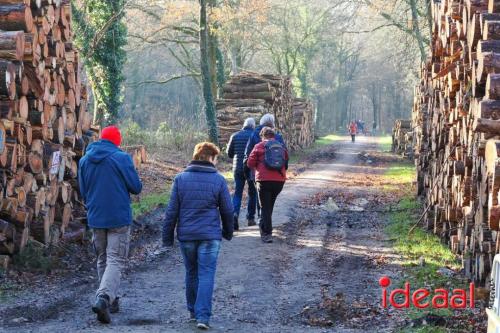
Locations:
(269, 181)
(199, 199)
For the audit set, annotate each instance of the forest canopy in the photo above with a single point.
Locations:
(337, 52)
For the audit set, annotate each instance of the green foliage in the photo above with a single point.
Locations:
(101, 35)
(418, 246)
(181, 138)
(133, 133)
(149, 203)
(35, 258)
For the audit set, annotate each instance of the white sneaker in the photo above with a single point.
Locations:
(202, 326)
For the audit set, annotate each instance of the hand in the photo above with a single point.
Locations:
(246, 171)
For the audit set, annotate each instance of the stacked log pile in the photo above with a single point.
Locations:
(303, 119)
(251, 94)
(44, 125)
(402, 138)
(457, 137)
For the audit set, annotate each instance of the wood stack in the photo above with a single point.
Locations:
(251, 94)
(303, 119)
(457, 134)
(402, 138)
(44, 124)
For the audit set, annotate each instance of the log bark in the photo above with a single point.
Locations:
(16, 17)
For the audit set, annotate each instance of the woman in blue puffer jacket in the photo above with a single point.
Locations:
(199, 201)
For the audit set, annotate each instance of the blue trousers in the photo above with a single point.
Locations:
(200, 260)
(239, 182)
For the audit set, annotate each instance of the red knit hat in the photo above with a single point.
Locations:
(112, 133)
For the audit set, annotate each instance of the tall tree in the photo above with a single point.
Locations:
(207, 74)
(101, 36)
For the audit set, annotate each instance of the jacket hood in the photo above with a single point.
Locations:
(100, 150)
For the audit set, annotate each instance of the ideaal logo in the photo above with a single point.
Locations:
(424, 298)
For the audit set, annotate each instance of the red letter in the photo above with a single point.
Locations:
(459, 294)
(416, 298)
(384, 283)
(472, 298)
(405, 292)
(384, 298)
(443, 297)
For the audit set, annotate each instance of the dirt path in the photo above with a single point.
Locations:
(320, 274)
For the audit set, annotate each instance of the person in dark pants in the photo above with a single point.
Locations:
(236, 151)
(266, 120)
(199, 201)
(270, 181)
(353, 129)
(107, 177)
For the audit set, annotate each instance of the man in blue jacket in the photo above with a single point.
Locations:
(236, 151)
(267, 120)
(107, 176)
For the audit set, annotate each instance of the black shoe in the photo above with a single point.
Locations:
(236, 224)
(251, 222)
(267, 238)
(115, 306)
(101, 308)
(192, 318)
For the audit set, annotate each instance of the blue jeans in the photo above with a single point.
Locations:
(200, 260)
(239, 182)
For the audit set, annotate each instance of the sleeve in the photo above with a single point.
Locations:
(130, 175)
(230, 147)
(253, 159)
(226, 211)
(250, 145)
(171, 216)
(81, 182)
(286, 159)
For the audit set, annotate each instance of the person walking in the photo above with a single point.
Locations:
(199, 201)
(236, 151)
(266, 120)
(269, 160)
(107, 177)
(353, 129)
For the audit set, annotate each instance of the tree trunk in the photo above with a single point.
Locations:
(206, 77)
(416, 29)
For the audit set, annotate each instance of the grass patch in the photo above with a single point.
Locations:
(401, 173)
(385, 143)
(324, 141)
(418, 246)
(149, 203)
(229, 175)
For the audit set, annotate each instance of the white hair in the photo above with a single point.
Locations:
(267, 120)
(249, 122)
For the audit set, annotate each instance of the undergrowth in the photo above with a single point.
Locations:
(150, 202)
(35, 258)
(423, 254)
